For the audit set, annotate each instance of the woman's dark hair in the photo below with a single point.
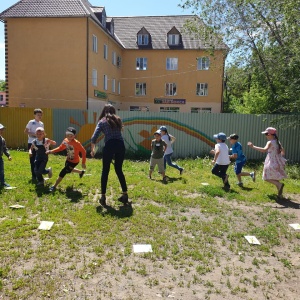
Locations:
(109, 113)
(278, 143)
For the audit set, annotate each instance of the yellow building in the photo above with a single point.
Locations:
(69, 54)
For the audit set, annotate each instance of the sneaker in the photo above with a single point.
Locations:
(165, 179)
(52, 188)
(149, 177)
(50, 173)
(240, 184)
(102, 200)
(6, 184)
(124, 199)
(227, 186)
(225, 179)
(82, 173)
(252, 174)
(181, 171)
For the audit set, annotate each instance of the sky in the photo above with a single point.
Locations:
(114, 8)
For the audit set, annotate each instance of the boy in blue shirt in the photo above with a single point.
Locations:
(240, 159)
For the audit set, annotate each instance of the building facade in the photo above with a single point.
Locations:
(69, 54)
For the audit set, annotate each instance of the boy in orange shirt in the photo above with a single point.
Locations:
(73, 148)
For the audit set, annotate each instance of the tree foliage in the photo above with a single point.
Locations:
(263, 66)
(2, 85)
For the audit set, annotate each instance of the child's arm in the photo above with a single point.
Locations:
(173, 139)
(217, 152)
(5, 150)
(61, 147)
(83, 155)
(260, 149)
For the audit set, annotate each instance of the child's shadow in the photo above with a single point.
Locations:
(286, 203)
(124, 211)
(41, 190)
(173, 179)
(74, 195)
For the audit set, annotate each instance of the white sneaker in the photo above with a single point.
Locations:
(50, 172)
(252, 174)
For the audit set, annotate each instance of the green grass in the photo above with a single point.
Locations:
(196, 232)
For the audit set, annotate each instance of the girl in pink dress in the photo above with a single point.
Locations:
(274, 163)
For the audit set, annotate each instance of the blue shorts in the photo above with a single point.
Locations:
(238, 167)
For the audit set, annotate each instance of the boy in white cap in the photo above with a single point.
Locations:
(3, 150)
(158, 147)
(221, 158)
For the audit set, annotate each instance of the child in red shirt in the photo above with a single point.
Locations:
(73, 148)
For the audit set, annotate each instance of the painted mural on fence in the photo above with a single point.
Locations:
(85, 125)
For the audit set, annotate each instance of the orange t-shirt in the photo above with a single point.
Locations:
(73, 148)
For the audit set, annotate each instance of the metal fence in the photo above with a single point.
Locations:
(193, 132)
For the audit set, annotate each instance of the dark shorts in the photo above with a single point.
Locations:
(238, 167)
(67, 169)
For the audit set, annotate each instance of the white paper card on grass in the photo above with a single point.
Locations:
(142, 248)
(295, 226)
(10, 188)
(17, 206)
(46, 225)
(205, 183)
(252, 239)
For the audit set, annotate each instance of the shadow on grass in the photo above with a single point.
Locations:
(42, 189)
(286, 203)
(124, 211)
(73, 195)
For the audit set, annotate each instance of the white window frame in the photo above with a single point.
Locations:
(171, 89)
(105, 82)
(173, 39)
(140, 88)
(95, 44)
(203, 63)
(172, 63)
(94, 77)
(141, 63)
(202, 89)
(143, 39)
(114, 58)
(113, 85)
(105, 51)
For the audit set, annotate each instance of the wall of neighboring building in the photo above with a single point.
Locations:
(186, 78)
(47, 62)
(108, 66)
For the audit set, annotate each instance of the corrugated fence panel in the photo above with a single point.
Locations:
(193, 132)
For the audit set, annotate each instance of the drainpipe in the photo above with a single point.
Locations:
(87, 63)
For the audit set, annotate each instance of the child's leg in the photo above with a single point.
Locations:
(278, 184)
(152, 166)
(168, 160)
(57, 182)
(1, 171)
(39, 167)
(216, 170)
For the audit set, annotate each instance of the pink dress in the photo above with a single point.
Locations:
(274, 164)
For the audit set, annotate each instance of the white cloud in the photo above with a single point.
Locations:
(2, 45)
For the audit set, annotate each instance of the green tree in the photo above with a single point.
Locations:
(2, 85)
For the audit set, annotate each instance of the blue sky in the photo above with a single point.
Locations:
(113, 8)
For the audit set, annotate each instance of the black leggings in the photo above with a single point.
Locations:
(113, 149)
(67, 169)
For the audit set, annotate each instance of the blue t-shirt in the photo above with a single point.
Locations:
(238, 149)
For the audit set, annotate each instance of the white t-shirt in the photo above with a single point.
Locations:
(165, 138)
(32, 126)
(223, 157)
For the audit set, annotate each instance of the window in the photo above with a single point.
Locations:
(119, 61)
(169, 109)
(172, 63)
(114, 58)
(171, 89)
(200, 109)
(95, 44)
(202, 63)
(140, 89)
(1, 98)
(202, 89)
(119, 87)
(139, 108)
(105, 51)
(173, 39)
(113, 85)
(141, 63)
(105, 82)
(94, 77)
(143, 39)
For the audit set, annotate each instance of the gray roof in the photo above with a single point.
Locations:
(126, 29)
(48, 8)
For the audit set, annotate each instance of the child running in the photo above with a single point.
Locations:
(158, 147)
(3, 150)
(169, 140)
(221, 159)
(40, 146)
(240, 159)
(73, 148)
(274, 163)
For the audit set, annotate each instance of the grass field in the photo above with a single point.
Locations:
(196, 232)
